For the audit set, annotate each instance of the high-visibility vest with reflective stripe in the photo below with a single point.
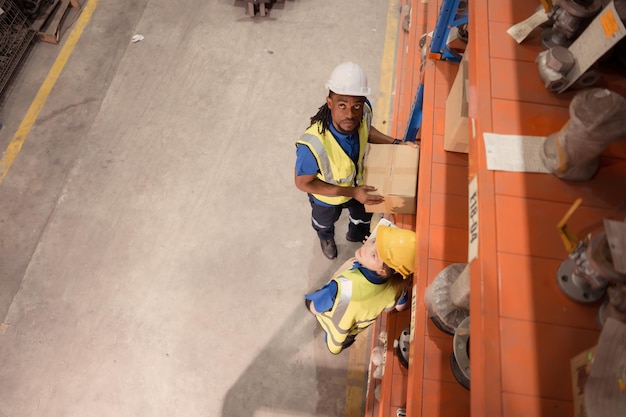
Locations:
(335, 166)
(358, 304)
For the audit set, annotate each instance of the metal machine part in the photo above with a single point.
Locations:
(460, 357)
(596, 120)
(588, 79)
(569, 18)
(441, 325)
(615, 305)
(553, 65)
(589, 269)
(447, 298)
(402, 346)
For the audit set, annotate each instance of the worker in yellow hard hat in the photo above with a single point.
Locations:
(376, 279)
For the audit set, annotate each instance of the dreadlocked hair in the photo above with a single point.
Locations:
(322, 116)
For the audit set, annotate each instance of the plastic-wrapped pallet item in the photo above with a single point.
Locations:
(439, 302)
(596, 120)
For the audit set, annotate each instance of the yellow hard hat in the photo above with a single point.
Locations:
(396, 247)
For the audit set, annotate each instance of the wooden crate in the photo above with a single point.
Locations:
(54, 19)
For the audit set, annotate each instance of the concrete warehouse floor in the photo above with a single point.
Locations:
(154, 250)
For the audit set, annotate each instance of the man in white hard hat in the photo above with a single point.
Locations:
(329, 158)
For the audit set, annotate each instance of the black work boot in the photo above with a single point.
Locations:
(329, 248)
(348, 342)
(351, 238)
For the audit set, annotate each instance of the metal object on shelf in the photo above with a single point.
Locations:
(15, 38)
(589, 268)
(585, 275)
(596, 120)
(615, 305)
(569, 238)
(402, 345)
(588, 79)
(553, 65)
(460, 358)
(447, 298)
(569, 19)
(578, 280)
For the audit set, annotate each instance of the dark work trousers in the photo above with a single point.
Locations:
(323, 219)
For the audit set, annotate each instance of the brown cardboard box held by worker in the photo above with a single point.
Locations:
(392, 169)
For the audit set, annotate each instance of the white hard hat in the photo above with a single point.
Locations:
(348, 79)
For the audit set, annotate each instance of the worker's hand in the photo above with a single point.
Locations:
(361, 194)
(411, 144)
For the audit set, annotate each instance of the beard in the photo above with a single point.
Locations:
(355, 125)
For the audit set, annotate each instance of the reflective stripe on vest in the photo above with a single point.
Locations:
(357, 305)
(323, 162)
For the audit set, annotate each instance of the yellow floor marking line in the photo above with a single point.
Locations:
(44, 91)
(358, 364)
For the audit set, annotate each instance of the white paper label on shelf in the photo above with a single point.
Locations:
(521, 30)
(472, 247)
(516, 153)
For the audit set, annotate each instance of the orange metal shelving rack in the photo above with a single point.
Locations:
(524, 331)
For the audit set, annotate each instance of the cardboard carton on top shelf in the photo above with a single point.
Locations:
(456, 134)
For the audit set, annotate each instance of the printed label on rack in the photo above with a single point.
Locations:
(473, 220)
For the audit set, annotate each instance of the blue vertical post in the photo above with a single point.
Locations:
(415, 122)
(447, 19)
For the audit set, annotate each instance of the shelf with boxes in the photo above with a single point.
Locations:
(428, 386)
(525, 329)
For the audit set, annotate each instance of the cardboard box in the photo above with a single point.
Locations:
(580, 368)
(456, 134)
(392, 169)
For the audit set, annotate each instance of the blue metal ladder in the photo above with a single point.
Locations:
(449, 17)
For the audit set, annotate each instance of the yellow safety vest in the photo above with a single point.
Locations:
(335, 166)
(358, 304)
